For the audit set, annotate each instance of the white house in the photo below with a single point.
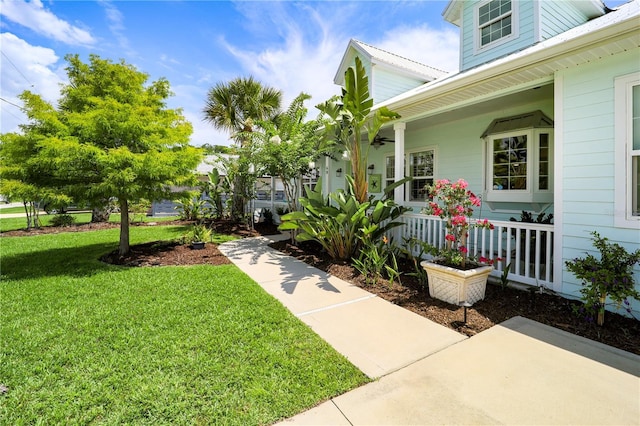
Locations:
(543, 116)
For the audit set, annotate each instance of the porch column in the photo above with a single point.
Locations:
(399, 192)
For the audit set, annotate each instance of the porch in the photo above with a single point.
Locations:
(526, 248)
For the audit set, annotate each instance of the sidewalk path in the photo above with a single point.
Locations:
(375, 335)
(519, 372)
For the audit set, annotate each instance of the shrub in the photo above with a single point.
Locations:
(340, 222)
(197, 233)
(610, 276)
(190, 208)
(62, 220)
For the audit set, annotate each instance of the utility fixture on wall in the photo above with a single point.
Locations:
(339, 172)
(371, 168)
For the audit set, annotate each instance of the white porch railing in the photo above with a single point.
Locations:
(526, 247)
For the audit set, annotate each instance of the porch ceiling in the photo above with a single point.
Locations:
(532, 67)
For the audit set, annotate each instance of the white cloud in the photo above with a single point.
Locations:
(34, 16)
(116, 26)
(299, 64)
(26, 67)
(436, 48)
(312, 48)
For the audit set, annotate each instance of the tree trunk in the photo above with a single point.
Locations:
(123, 248)
(603, 300)
(238, 200)
(100, 214)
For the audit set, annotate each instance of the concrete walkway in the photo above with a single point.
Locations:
(519, 372)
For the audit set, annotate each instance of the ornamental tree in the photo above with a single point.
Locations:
(111, 137)
(454, 203)
(288, 144)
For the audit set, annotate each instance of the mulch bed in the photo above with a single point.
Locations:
(499, 304)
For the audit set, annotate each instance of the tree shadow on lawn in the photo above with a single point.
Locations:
(79, 261)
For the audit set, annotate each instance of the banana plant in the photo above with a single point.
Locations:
(345, 119)
(340, 223)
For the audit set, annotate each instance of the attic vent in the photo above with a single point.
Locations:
(530, 120)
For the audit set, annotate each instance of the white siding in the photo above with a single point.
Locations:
(588, 160)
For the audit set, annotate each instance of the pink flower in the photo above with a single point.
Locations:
(463, 250)
(459, 220)
(450, 237)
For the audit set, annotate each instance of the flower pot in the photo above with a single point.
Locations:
(197, 245)
(455, 285)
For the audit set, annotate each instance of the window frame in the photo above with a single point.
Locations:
(408, 171)
(389, 180)
(477, 34)
(624, 152)
(532, 193)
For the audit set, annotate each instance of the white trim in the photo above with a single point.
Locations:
(623, 98)
(558, 181)
(399, 192)
(407, 168)
(515, 28)
(532, 193)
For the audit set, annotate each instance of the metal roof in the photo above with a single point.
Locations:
(397, 62)
(530, 120)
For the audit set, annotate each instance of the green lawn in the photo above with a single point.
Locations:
(15, 223)
(11, 210)
(82, 341)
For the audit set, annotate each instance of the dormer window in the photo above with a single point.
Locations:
(496, 21)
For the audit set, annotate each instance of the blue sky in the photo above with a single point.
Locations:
(291, 46)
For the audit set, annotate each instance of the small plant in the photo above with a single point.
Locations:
(198, 233)
(190, 208)
(504, 280)
(610, 276)
(376, 261)
(62, 220)
(407, 251)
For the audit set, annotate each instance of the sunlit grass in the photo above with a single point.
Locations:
(16, 223)
(84, 341)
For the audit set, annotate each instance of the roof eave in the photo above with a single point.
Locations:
(540, 54)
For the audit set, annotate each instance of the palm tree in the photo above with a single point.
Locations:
(235, 107)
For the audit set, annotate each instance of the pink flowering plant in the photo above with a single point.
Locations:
(454, 203)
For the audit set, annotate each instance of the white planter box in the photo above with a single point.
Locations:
(454, 285)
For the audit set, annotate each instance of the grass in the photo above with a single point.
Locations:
(16, 223)
(87, 342)
(12, 210)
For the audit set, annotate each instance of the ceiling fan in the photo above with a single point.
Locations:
(378, 141)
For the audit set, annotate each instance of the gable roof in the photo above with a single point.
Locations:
(610, 34)
(378, 56)
(591, 8)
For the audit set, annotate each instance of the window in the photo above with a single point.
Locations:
(520, 161)
(510, 162)
(627, 166)
(389, 171)
(421, 168)
(495, 21)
